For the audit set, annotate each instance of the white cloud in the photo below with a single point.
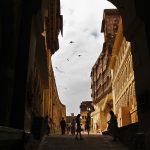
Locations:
(72, 63)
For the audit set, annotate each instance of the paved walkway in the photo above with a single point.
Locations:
(89, 142)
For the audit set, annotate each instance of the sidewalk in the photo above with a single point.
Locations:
(89, 142)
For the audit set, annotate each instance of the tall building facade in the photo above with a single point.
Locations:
(29, 37)
(101, 75)
(42, 95)
(124, 96)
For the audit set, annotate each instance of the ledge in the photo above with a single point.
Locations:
(10, 134)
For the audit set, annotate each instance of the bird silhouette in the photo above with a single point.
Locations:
(60, 71)
(71, 42)
(79, 55)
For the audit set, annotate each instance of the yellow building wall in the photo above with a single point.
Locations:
(95, 117)
(123, 82)
(83, 118)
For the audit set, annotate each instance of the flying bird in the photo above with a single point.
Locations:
(79, 55)
(67, 59)
(60, 71)
(71, 42)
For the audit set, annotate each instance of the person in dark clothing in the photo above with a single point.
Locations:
(63, 125)
(113, 125)
(88, 123)
(78, 122)
(73, 127)
(46, 125)
(68, 128)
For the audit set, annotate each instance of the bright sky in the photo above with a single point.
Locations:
(72, 63)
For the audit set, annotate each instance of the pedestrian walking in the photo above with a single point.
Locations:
(78, 130)
(113, 125)
(73, 127)
(63, 125)
(88, 123)
(46, 125)
(68, 128)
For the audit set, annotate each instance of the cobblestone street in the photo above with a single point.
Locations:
(91, 142)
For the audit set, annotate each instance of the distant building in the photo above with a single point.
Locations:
(101, 75)
(124, 99)
(85, 108)
(70, 118)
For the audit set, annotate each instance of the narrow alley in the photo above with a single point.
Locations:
(89, 142)
(74, 66)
